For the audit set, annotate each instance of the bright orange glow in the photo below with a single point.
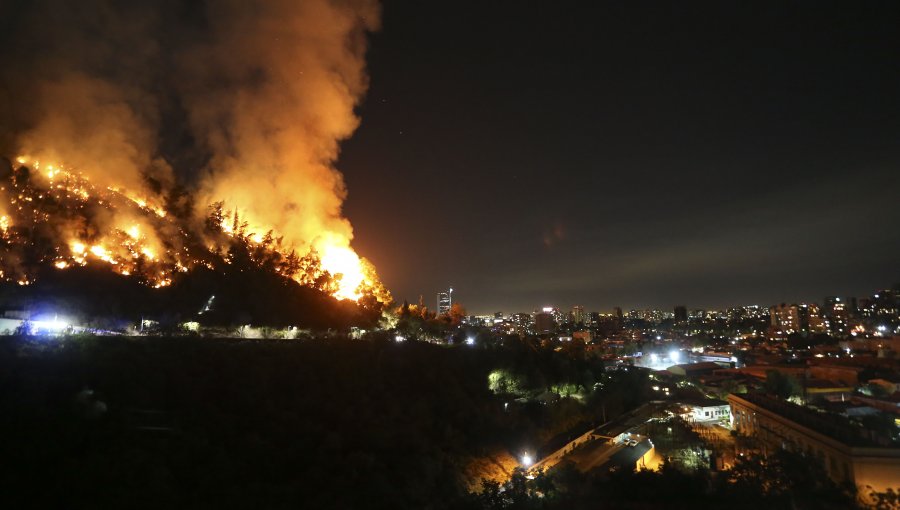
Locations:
(340, 260)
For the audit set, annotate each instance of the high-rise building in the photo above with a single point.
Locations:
(544, 321)
(578, 317)
(815, 321)
(444, 302)
(887, 302)
(866, 308)
(786, 317)
(521, 320)
(558, 316)
(681, 314)
(838, 315)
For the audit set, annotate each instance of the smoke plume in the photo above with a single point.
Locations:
(184, 107)
(234, 101)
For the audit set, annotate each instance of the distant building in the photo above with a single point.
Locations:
(578, 317)
(815, 322)
(785, 317)
(444, 302)
(681, 314)
(558, 316)
(838, 315)
(479, 320)
(887, 302)
(521, 321)
(651, 316)
(544, 322)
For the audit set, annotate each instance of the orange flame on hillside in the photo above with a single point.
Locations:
(133, 240)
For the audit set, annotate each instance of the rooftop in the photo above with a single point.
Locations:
(834, 426)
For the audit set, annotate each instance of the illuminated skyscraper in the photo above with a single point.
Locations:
(815, 322)
(578, 315)
(837, 314)
(785, 317)
(444, 302)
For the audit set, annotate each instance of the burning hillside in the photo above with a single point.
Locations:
(53, 216)
(155, 139)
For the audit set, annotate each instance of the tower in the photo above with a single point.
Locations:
(578, 315)
(444, 302)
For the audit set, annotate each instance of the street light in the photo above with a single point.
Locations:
(526, 460)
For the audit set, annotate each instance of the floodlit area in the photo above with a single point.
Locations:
(660, 360)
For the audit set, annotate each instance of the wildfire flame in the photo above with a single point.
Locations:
(343, 261)
(133, 243)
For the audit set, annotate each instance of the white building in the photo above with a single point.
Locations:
(707, 410)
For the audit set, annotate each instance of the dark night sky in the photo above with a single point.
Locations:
(632, 154)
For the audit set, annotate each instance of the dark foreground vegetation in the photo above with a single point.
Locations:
(782, 481)
(118, 422)
(105, 422)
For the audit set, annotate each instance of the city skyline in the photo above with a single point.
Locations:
(609, 308)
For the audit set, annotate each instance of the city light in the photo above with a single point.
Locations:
(470, 341)
(674, 356)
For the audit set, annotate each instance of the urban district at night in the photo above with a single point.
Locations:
(363, 254)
